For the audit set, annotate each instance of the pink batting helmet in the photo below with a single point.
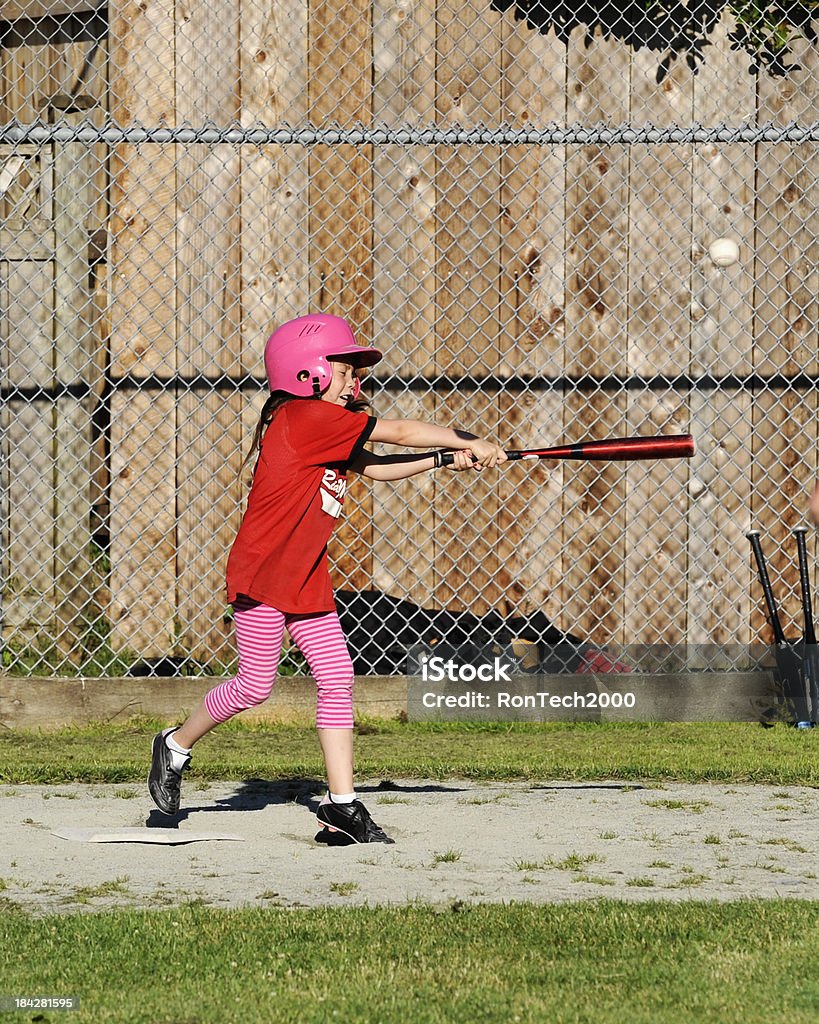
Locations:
(297, 353)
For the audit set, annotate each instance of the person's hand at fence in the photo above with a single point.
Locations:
(814, 504)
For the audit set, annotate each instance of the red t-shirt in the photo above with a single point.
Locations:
(279, 556)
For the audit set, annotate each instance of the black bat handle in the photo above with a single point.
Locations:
(448, 458)
(810, 661)
(764, 579)
(804, 581)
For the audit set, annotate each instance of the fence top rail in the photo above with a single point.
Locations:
(442, 383)
(17, 133)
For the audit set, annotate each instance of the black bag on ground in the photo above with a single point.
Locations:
(381, 630)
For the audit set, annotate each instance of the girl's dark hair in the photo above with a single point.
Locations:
(275, 400)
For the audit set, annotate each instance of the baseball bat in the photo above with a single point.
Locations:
(613, 449)
(804, 582)
(787, 663)
(810, 661)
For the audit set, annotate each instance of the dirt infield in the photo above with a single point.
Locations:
(455, 841)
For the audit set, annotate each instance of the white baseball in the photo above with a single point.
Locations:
(724, 252)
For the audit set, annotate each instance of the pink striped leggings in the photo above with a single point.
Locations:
(259, 635)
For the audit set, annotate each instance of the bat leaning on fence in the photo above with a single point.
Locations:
(612, 449)
(810, 656)
(788, 663)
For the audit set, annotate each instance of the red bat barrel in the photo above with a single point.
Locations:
(616, 449)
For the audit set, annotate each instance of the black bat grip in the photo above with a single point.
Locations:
(447, 459)
(764, 579)
(804, 582)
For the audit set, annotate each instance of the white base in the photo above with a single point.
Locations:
(164, 836)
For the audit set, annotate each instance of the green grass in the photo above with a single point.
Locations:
(344, 888)
(446, 857)
(598, 962)
(84, 894)
(678, 805)
(789, 844)
(629, 752)
(575, 861)
(591, 962)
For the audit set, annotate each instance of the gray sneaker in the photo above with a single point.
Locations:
(345, 824)
(164, 781)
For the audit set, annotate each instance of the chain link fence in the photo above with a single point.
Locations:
(546, 243)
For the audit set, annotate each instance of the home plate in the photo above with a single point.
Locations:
(164, 836)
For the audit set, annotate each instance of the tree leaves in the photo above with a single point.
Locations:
(765, 31)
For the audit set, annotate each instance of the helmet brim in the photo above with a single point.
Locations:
(358, 356)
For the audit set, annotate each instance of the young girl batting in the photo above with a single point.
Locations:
(307, 439)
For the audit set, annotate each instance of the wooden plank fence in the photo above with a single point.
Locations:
(51, 368)
(544, 263)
